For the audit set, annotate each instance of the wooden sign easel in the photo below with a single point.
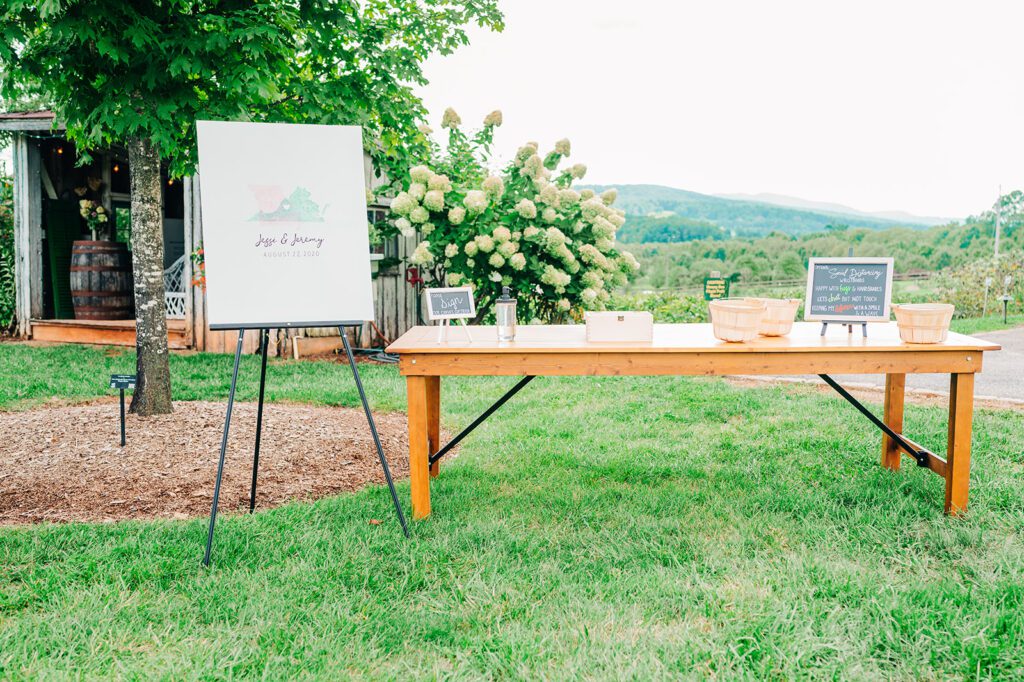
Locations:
(264, 341)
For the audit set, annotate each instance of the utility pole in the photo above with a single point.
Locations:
(999, 210)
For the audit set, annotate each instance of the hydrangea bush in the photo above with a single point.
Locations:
(524, 227)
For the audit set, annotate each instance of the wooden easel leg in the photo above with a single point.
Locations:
(958, 454)
(419, 445)
(434, 421)
(894, 391)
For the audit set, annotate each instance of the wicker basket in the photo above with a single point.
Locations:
(923, 322)
(778, 316)
(736, 319)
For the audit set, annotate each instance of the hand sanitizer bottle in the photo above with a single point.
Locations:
(505, 316)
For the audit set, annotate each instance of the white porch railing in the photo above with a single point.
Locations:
(174, 289)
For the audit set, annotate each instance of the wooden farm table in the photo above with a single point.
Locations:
(691, 349)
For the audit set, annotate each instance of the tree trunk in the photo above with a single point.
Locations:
(153, 385)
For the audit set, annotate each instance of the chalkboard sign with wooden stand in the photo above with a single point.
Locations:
(848, 291)
(450, 303)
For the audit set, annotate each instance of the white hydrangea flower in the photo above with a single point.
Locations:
(630, 261)
(494, 187)
(604, 245)
(496, 260)
(434, 200)
(493, 118)
(425, 129)
(603, 295)
(517, 261)
(501, 233)
(470, 263)
(484, 243)
(450, 119)
(617, 218)
(588, 295)
(453, 278)
(405, 227)
(451, 250)
(619, 278)
(475, 202)
(548, 194)
(421, 255)
(417, 191)
(426, 228)
(602, 228)
(402, 204)
(563, 304)
(592, 207)
(470, 248)
(609, 195)
(420, 174)
(549, 215)
(530, 232)
(568, 197)
(456, 215)
(577, 171)
(525, 152)
(593, 279)
(495, 277)
(554, 237)
(419, 215)
(527, 209)
(534, 167)
(439, 182)
(562, 147)
(555, 277)
(586, 194)
(507, 248)
(370, 196)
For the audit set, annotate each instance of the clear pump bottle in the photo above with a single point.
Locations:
(505, 316)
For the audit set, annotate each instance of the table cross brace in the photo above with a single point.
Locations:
(922, 455)
(480, 420)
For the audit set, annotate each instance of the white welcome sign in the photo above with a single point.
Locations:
(284, 225)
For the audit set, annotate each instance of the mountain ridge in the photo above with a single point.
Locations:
(830, 207)
(661, 213)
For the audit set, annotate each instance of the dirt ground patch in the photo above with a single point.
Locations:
(64, 463)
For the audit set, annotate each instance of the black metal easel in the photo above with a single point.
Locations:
(265, 339)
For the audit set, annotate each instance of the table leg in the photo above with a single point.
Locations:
(419, 445)
(894, 391)
(434, 421)
(958, 453)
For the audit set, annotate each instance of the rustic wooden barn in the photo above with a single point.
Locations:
(49, 180)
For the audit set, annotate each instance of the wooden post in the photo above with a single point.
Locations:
(894, 391)
(419, 444)
(434, 420)
(958, 453)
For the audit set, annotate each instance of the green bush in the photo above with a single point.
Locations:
(964, 287)
(7, 300)
(666, 306)
(524, 228)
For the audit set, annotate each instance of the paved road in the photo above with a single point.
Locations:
(1002, 374)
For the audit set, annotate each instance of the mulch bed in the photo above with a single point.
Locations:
(64, 463)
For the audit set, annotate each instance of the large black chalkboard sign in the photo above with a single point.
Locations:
(450, 303)
(848, 289)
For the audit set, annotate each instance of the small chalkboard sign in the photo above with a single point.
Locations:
(450, 303)
(848, 290)
(715, 288)
(124, 382)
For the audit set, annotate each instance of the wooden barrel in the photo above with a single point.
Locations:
(101, 281)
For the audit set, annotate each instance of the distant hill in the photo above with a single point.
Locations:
(826, 207)
(658, 213)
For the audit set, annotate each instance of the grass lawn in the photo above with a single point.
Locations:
(596, 527)
(977, 325)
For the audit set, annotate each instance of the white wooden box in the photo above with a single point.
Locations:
(622, 326)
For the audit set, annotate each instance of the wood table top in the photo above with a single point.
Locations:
(673, 338)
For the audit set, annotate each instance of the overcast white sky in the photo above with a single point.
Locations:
(880, 105)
